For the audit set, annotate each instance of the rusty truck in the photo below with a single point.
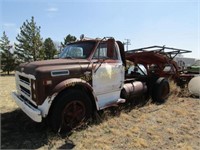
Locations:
(89, 75)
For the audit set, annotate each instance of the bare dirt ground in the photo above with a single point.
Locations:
(173, 125)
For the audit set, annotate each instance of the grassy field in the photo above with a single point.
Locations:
(173, 125)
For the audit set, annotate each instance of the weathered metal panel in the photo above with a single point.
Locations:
(107, 82)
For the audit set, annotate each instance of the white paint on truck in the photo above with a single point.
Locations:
(107, 83)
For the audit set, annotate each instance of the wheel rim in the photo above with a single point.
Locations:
(73, 114)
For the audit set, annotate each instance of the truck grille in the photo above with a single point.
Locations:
(23, 84)
(25, 91)
(24, 79)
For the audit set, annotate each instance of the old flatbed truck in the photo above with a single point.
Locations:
(90, 75)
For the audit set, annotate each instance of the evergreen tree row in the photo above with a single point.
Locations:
(29, 47)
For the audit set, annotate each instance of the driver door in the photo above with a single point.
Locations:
(108, 73)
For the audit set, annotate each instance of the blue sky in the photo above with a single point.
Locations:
(146, 23)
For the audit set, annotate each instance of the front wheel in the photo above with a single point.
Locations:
(70, 110)
(161, 90)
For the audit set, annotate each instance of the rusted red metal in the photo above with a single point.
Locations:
(73, 112)
(156, 58)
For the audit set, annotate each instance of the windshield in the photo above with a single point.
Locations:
(78, 50)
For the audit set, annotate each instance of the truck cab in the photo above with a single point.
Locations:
(89, 75)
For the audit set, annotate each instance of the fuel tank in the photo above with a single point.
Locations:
(134, 89)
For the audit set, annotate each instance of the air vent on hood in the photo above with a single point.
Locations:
(59, 73)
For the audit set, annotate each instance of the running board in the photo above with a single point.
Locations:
(121, 100)
(115, 104)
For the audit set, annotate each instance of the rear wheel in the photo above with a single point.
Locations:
(70, 110)
(161, 90)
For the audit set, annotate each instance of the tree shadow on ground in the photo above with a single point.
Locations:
(18, 131)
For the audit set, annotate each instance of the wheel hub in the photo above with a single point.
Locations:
(73, 114)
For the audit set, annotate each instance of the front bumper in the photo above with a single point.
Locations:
(32, 112)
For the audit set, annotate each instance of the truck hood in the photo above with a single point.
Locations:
(29, 68)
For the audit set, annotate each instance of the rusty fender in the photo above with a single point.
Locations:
(70, 83)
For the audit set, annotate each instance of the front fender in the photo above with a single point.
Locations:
(44, 108)
(71, 83)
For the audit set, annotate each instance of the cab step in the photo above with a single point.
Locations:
(121, 100)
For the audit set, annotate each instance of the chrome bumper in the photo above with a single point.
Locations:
(33, 113)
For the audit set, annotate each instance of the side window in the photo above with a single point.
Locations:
(101, 51)
(104, 52)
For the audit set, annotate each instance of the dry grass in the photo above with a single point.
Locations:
(173, 125)
(7, 84)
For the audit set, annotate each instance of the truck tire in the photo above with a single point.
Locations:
(161, 90)
(72, 108)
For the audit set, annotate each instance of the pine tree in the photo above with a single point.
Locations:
(7, 58)
(69, 38)
(49, 49)
(29, 44)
